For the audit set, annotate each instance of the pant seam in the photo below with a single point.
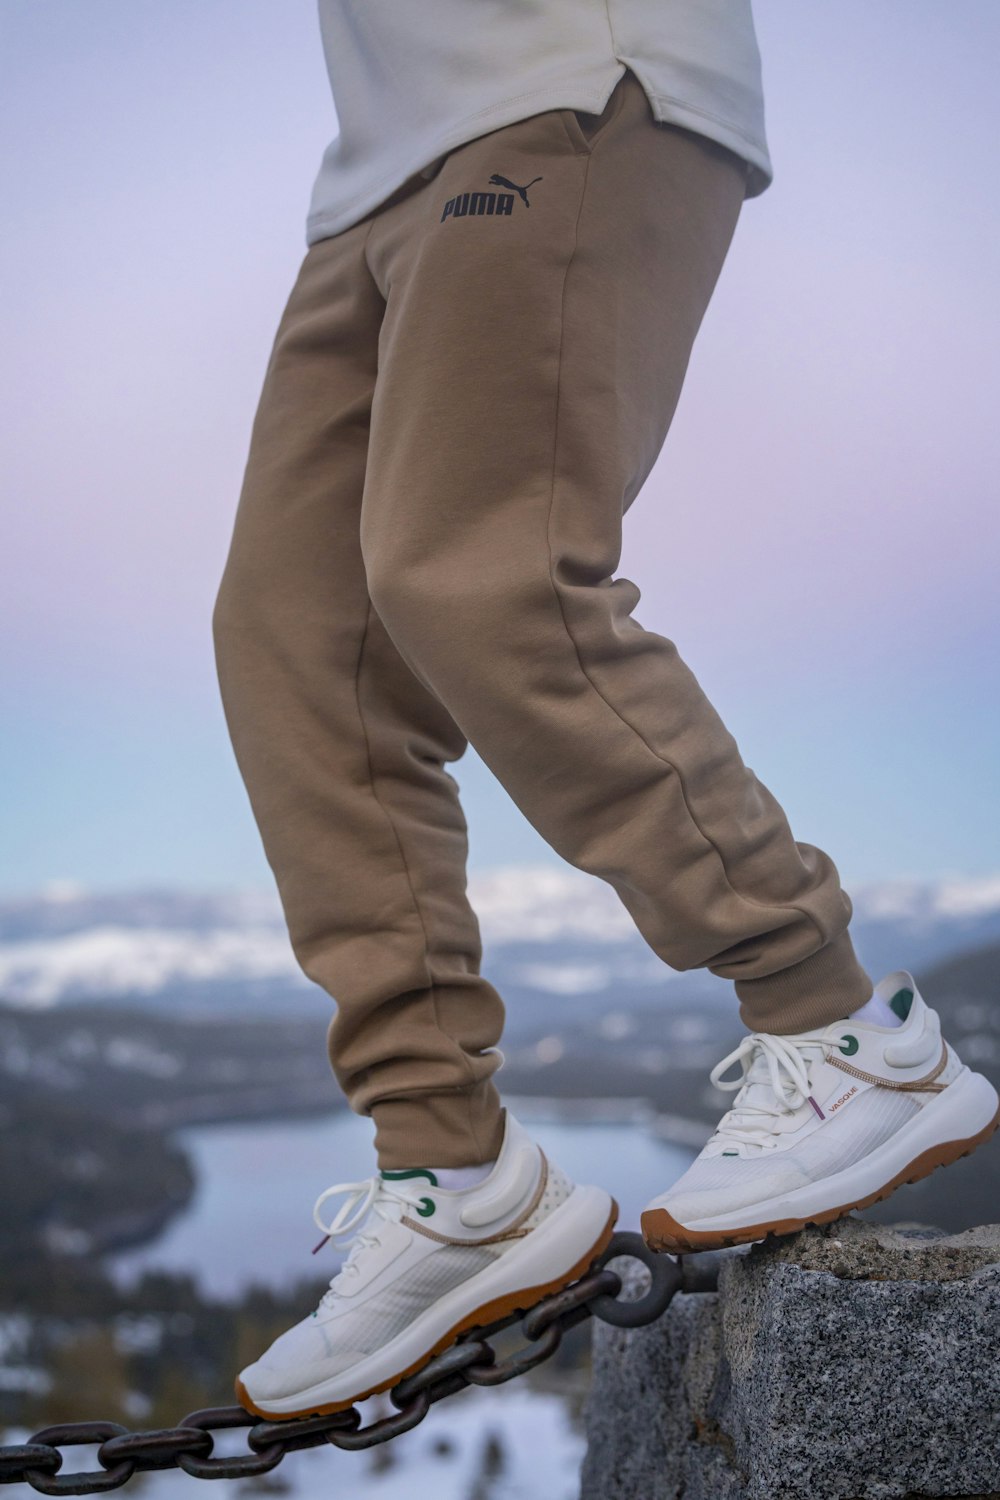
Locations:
(431, 982)
(751, 900)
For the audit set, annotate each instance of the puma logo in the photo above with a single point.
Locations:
(503, 182)
(466, 204)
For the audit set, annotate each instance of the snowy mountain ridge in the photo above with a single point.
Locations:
(67, 942)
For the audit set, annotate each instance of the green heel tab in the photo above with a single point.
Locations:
(901, 1002)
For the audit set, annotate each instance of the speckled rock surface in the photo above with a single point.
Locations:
(854, 1249)
(856, 1361)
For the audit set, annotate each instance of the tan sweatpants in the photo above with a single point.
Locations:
(466, 392)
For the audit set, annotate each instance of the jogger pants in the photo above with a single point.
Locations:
(466, 392)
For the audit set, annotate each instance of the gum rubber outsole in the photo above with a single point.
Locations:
(661, 1231)
(490, 1312)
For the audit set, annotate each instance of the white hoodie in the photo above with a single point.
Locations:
(413, 79)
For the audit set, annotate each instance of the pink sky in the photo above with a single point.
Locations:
(819, 536)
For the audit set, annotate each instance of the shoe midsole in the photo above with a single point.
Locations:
(964, 1108)
(545, 1254)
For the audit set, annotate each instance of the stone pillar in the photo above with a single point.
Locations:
(856, 1361)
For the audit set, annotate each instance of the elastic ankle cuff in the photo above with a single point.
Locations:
(457, 1129)
(824, 987)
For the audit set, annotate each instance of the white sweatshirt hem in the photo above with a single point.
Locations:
(569, 93)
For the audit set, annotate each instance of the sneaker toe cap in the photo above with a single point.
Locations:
(706, 1189)
(301, 1357)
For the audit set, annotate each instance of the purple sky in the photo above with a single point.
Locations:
(819, 536)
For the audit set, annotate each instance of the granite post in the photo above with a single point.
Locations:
(856, 1361)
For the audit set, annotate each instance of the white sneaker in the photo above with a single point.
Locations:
(431, 1264)
(826, 1121)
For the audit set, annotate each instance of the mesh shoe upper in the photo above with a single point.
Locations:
(716, 1183)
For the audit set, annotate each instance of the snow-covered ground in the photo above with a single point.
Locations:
(510, 1443)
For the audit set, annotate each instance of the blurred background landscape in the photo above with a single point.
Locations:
(819, 537)
(169, 1117)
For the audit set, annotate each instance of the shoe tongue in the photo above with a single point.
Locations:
(389, 1202)
(757, 1087)
(390, 1207)
(757, 1092)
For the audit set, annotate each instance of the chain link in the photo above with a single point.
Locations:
(471, 1361)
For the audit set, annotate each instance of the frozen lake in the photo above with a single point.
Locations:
(251, 1216)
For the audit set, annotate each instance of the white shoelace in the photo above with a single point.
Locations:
(749, 1120)
(373, 1195)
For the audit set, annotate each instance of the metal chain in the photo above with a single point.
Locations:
(470, 1361)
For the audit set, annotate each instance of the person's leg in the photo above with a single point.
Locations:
(343, 750)
(530, 364)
